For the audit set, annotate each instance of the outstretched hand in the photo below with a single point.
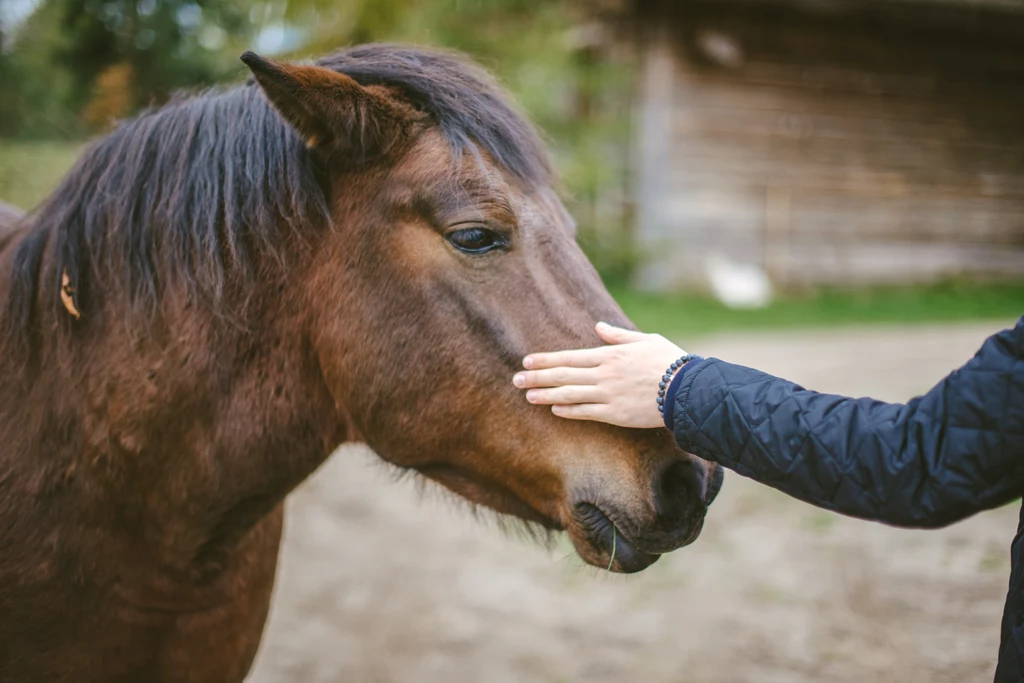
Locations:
(617, 384)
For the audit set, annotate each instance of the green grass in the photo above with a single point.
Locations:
(682, 316)
(30, 170)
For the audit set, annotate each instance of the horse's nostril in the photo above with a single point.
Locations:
(715, 487)
(681, 487)
(678, 494)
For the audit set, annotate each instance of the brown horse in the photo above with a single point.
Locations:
(224, 290)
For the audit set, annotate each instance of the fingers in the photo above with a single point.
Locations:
(566, 395)
(578, 358)
(584, 358)
(618, 335)
(585, 411)
(555, 377)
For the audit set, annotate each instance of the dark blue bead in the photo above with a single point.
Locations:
(661, 400)
(661, 385)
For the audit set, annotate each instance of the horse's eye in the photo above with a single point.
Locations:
(476, 240)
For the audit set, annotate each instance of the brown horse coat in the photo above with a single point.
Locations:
(356, 250)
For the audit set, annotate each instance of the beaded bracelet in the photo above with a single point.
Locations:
(667, 378)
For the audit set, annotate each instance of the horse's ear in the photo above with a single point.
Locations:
(330, 110)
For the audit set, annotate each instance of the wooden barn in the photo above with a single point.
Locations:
(830, 141)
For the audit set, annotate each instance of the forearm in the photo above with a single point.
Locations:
(887, 462)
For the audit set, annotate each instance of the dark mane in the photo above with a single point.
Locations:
(190, 192)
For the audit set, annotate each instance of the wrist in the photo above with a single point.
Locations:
(667, 377)
(667, 395)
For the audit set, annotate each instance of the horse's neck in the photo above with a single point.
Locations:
(265, 422)
(193, 434)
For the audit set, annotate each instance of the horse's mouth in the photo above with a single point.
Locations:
(608, 547)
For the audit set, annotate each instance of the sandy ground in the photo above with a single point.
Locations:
(380, 581)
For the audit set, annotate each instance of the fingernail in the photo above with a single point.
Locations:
(556, 409)
(519, 380)
(528, 362)
(531, 396)
(603, 325)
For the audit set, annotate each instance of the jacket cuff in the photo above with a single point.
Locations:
(670, 394)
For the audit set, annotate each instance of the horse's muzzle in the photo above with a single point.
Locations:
(673, 518)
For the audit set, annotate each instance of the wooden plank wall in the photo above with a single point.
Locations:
(835, 149)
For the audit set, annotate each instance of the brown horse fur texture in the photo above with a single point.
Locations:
(357, 250)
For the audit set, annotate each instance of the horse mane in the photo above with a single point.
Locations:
(192, 191)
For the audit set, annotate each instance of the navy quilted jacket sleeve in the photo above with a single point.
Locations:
(957, 450)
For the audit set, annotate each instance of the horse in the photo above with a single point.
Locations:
(225, 289)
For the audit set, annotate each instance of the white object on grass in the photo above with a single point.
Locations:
(738, 285)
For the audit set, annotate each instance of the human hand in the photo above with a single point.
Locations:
(617, 384)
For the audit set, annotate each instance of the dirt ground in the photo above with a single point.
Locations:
(380, 581)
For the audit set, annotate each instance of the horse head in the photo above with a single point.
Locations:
(449, 257)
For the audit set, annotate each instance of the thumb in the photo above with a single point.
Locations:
(618, 335)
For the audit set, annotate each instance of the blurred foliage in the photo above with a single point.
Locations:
(55, 60)
(111, 98)
(74, 66)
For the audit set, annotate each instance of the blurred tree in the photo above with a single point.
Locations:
(34, 87)
(53, 63)
(111, 98)
(8, 84)
(169, 44)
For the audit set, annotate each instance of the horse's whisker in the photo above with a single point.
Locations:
(614, 544)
